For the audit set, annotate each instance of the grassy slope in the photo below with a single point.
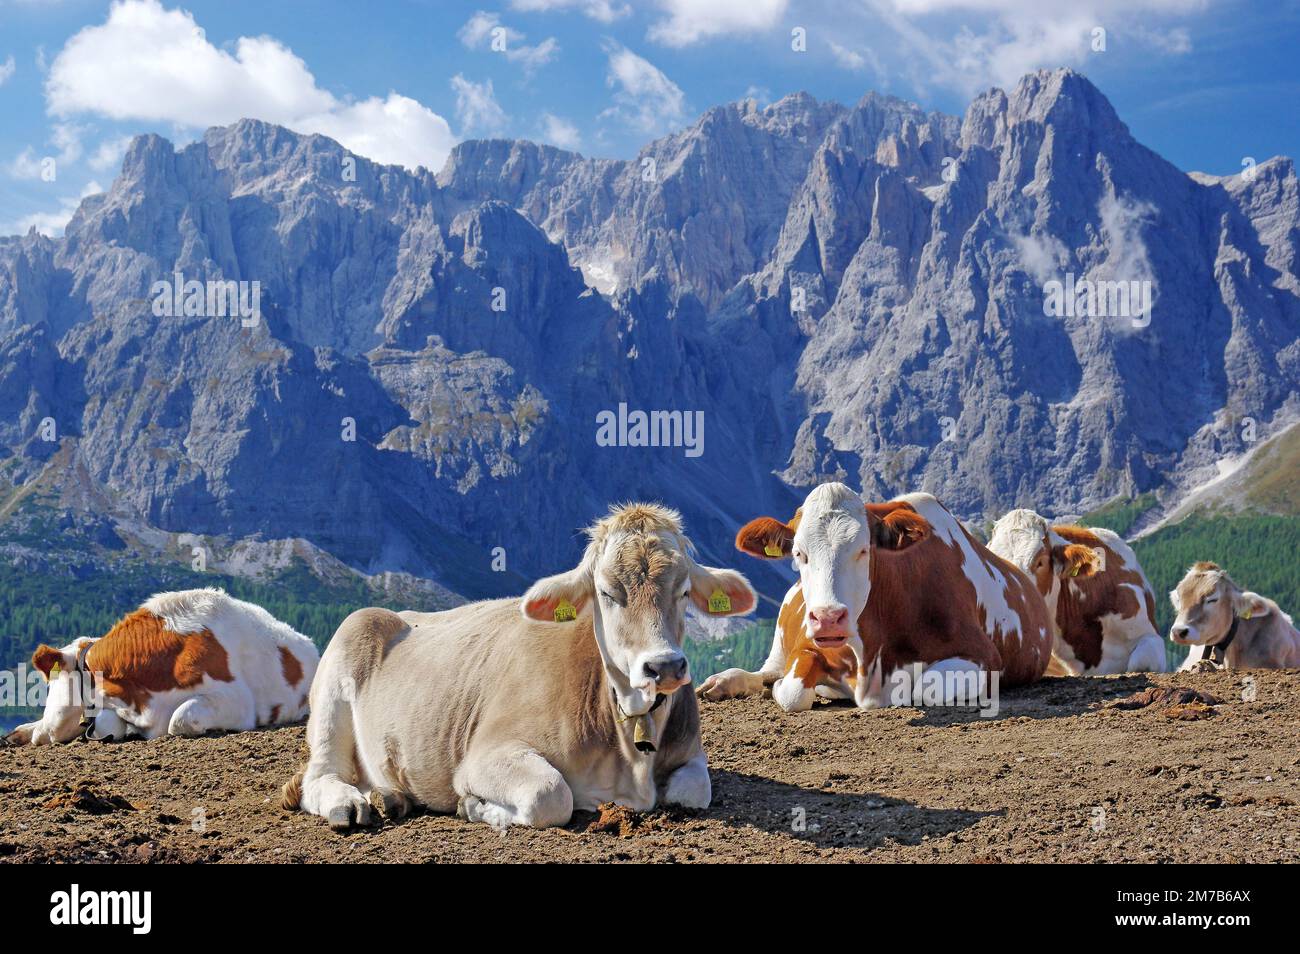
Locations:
(1249, 525)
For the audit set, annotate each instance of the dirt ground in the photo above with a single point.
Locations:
(1059, 775)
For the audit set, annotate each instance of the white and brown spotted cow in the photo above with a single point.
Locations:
(1228, 627)
(518, 711)
(885, 588)
(183, 663)
(1103, 609)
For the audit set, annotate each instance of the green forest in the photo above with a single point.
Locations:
(44, 608)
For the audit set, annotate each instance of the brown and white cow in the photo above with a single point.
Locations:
(183, 663)
(1103, 609)
(888, 593)
(1228, 627)
(517, 711)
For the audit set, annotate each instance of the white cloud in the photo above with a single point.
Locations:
(148, 63)
(477, 107)
(689, 21)
(109, 153)
(66, 139)
(487, 30)
(1019, 36)
(26, 165)
(858, 59)
(560, 132)
(478, 29)
(605, 11)
(644, 98)
(1042, 255)
(51, 223)
(7, 69)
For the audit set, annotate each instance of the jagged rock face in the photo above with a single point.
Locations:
(854, 293)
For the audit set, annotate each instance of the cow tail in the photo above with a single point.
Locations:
(291, 793)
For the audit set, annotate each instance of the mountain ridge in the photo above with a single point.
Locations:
(848, 292)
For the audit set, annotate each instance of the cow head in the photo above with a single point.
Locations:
(1028, 542)
(70, 692)
(636, 578)
(1207, 601)
(833, 538)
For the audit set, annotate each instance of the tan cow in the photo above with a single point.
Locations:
(889, 594)
(1103, 609)
(517, 711)
(1228, 627)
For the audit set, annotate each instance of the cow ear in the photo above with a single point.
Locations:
(1075, 559)
(898, 529)
(765, 538)
(720, 592)
(1249, 605)
(46, 658)
(559, 598)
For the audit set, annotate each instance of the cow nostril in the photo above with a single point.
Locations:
(829, 615)
(666, 670)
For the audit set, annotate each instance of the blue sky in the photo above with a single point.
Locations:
(1205, 83)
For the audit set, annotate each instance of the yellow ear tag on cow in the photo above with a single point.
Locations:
(719, 602)
(772, 550)
(1074, 571)
(564, 612)
(55, 670)
(1246, 615)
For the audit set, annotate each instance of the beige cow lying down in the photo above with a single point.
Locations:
(1228, 627)
(518, 711)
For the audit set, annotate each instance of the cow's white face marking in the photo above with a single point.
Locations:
(832, 552)
(67, 695)
(1024, 539)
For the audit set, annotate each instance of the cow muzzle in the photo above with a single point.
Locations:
(668, 672)
(828, 625)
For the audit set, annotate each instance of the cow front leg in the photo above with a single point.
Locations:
(732, 684)
(797, 689)
(108, 726)
(22, 735)
(1148, 655)
(512, 785)
(689, 785)
(229, 710)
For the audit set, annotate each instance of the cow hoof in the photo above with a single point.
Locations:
(352, 813)
(389, 805)
(476, 809)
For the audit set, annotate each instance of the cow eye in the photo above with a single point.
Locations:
(1211, 599)
(799, 556)
(607, 598)
(684, 593)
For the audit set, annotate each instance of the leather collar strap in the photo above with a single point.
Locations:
(1219, 651)
(82, 674)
